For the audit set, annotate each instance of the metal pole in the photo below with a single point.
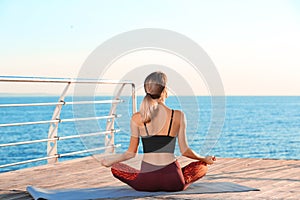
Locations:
(134, 108)
(109, 138)
(52, 133)
(61, 103)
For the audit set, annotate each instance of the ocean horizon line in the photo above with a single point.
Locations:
(109, 95)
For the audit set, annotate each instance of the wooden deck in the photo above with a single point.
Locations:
(276, 179)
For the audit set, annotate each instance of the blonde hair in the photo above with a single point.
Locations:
(154, 86)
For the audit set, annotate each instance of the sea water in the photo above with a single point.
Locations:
(254, 127)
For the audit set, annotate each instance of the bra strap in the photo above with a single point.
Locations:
(170, 126)
(146, 129)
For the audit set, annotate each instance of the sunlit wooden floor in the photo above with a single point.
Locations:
(276, 179)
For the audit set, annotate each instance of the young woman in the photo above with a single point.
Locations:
(158, 126)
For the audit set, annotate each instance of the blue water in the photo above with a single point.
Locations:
(255, 127)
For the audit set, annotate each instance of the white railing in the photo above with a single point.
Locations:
(53, 137)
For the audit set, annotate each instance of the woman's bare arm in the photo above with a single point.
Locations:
(185, 149)
(131, 151)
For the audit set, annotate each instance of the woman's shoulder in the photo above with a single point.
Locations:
(179, 116)
(178, 113)
(136, 115)
(137, 118)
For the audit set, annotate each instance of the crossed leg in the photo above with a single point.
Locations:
(194, 171)
(191, 173)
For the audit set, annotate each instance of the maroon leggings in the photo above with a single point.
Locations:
(157, 178)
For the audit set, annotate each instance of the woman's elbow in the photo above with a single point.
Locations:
(186, 152)
(129, 155)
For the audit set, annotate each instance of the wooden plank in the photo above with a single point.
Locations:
(275, 178)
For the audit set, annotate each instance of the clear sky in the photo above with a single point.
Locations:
(254, 44)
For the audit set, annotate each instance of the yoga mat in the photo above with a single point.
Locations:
(125, 191)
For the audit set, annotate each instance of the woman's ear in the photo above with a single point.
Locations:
(165, 93)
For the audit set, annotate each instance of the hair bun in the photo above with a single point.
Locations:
(154, 96)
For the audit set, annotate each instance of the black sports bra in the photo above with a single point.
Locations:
(159, 143)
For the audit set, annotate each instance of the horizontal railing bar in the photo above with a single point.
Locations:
(61, 80)
(60, 120)
(28, 161)
(90, 118)
(88, 150)
(88, 134)
(59, 138)
(62, 103)
(31, 104)
(27, 142)
(29, 123)
(57, 156)
(95, 102)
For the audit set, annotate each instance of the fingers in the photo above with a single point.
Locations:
(210, 160)
(103, 162)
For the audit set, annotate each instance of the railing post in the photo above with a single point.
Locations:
(52, 133)
(109, 138)
(134, 109)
